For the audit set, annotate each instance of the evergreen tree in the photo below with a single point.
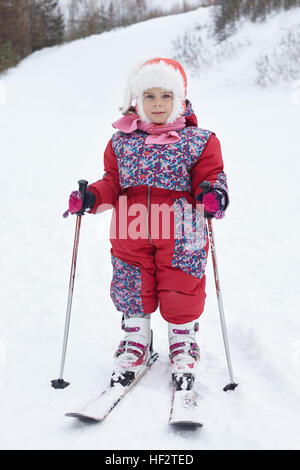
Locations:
(275, 5)
(287, 4)
(228, 12)
(8, 57)
(14, 32)
(47, 24)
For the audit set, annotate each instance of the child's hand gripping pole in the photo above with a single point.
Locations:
(60, 382)
(206, 187)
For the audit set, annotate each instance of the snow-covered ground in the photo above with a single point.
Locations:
(256, 53)
(55, 114)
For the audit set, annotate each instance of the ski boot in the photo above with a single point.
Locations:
(184, 354)
(134, 352)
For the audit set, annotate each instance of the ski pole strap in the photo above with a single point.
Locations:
(82, 189)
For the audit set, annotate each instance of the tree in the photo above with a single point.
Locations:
(228, 12)
(8, 57)
(47, 24)
(225, 16)
(14, 32)
(287, 4)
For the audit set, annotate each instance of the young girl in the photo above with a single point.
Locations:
(154, 165)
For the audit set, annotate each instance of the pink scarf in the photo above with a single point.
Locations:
(158, 133)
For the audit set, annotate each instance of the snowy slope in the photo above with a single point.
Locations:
(264, 53)
(54, 125)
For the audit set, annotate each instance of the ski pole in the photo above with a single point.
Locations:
(206, 187)
(60, 382)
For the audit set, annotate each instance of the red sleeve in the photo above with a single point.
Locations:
(209, 167)
(108, 189)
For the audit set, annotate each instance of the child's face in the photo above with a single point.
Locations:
(158, 104)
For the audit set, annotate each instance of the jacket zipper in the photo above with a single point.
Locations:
(148, 210)
(148, 204)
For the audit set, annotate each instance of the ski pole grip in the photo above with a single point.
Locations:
(82, 189)
(205, 187)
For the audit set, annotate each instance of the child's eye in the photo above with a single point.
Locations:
(150, 96)
(166, 96)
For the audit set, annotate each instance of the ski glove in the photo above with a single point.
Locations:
(75, 203)
(214, 202)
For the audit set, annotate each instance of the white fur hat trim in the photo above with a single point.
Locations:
(155, 75)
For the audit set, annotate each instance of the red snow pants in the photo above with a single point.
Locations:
(150, 267)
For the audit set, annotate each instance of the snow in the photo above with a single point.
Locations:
(55, 113)
(236, 60)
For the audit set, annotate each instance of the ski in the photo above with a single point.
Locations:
(98, 409)
(184, 407)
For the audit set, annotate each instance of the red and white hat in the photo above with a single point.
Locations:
(157, 72)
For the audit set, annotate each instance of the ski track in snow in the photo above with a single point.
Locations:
(54, 127)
